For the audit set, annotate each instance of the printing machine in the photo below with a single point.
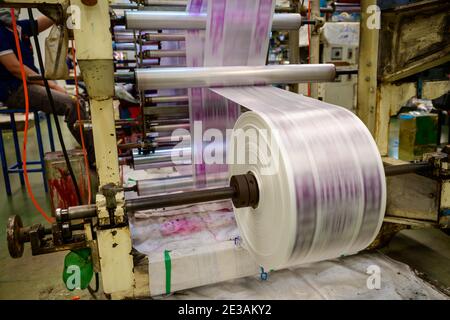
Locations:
(419, 193)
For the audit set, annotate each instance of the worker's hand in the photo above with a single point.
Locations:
(58, 88)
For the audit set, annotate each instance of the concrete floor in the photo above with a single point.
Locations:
(40, 277)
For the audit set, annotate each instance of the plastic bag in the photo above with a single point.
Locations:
(56, 46)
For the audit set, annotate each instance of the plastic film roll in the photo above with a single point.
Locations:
(320, 175)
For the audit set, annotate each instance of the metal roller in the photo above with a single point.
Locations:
(174, 20)
(167, 66)
(163, 53)
(171, 184)
(175, 3)
(233, 76)
(159, 157)
(170, 127)
(164, 99)
(124, 46)
(179, 112)
(164, 37)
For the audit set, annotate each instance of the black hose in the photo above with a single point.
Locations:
(52, 104)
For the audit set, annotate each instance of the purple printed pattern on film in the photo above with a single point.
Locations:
(237, 34)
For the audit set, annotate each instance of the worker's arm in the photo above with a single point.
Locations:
(44, 23)
(12, 64)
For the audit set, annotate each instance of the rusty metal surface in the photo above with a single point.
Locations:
(414, 38)
(387, 232)
(15, 246)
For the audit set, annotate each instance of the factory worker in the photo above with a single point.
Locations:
(11, 88)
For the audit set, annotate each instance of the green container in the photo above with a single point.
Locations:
(418, 135)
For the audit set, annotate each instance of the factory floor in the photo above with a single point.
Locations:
(40, 277)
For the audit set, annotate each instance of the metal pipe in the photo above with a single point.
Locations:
(167, 66)
(164, 99)
(123, 6)
(342, 71)
(118, 76)
(118, 123)
(393, 170)
(170, 127)
(177, 199)
(243, 191)
(164, 37)
(171, 184)
(174, 139)
(149, 54)
(233, 76)
(123, 36)
(175, 3)
(168, 111)
(177, 20)
(161, 155)
(124, 46)
(156, 122)
(80, 212)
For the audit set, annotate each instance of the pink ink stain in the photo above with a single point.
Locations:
(181, 226)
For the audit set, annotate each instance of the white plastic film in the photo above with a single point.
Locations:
(321, 179)
(237, 34)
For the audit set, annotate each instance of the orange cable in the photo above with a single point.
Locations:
(27, 110)
(81, 126)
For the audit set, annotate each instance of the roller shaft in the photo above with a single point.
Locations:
(167, 112)
(243, 191)
(163, 99)
(171, 3)
(155, 186)
(160, 155)
(394, 170)
(164, 37)
(177, 199)
(232, 76)
(170, 127)
(149, 54)
(174, 20)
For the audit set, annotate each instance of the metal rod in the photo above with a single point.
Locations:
(123, 46)
(168, 111)
(342, 71)
(149, 54)
(167, 155)
(177, 199)
(163, 99)
(170, 184)
(123, 6)
(171, 3)
(164, 37)
(393, 170)
(156, 122)
(233, 76)
(119, 76)
(177, 20)
(170, 127)
(80, 212)
(167, 66)
(154, 143)
(118, 123)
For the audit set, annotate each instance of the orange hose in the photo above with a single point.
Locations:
(86, 162)
(27, 110)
